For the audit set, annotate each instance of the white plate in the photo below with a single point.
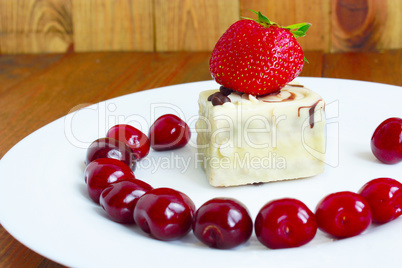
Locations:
(44, 204)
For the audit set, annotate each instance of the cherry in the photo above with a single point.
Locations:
(169, 132)
(386, 142)
(164, 213)
(384, 196)
(119, 199)
(222, 223)
(101, 172)
(285, 223)
(134, 138)
(111, 148)
(343, 214)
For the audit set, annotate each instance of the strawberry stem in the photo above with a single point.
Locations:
(298, 30)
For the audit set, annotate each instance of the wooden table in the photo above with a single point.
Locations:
(37, 89)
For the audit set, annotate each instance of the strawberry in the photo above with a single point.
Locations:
(258, 57)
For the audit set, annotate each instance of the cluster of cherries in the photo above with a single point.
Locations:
(167, 214)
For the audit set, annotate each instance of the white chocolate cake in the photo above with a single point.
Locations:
(243, 139)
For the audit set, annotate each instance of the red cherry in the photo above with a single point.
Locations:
(119, 199)
(222, 223)
(384, 196)
(386, 142)
(343, 214)
(164, 213)
(169, 132)
(111, 148)
(102, 172)
(285, 223)
(131, 136)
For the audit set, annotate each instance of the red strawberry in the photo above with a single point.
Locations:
(258, 56)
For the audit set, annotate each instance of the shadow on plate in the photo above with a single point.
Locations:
(367, 156)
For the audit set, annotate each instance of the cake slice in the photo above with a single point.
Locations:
(243, 139)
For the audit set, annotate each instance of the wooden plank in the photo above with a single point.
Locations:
(49, 264)
(365, 66)
(366, 25)
(192, 25)
(109, 25)
(391, 36)
(14, 254)
(16, 68)
(34, 26)
(287, 12)
(46, 26)
(315, 65)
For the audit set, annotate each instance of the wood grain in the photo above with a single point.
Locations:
(287, 12)
(109, 25)
(46, 26)
(315, 65)
(192, 25)
(366, 25)
(34, 26)
(384, 67)
(15, 68)
(357, 24)
(15, 254)
(391, 37)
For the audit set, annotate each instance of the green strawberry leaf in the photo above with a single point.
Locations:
(305, 27)
(306, 60)
(295, 26)
(255, 12)
(298, 33)
(246, 18)
(263, 20)
(299, 30)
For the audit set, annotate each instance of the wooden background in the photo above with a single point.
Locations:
(48, 26)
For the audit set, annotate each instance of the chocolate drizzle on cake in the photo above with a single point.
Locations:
(295, 85)
(270, 94)
(310, 111)
(219, 98)
(291, 97)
